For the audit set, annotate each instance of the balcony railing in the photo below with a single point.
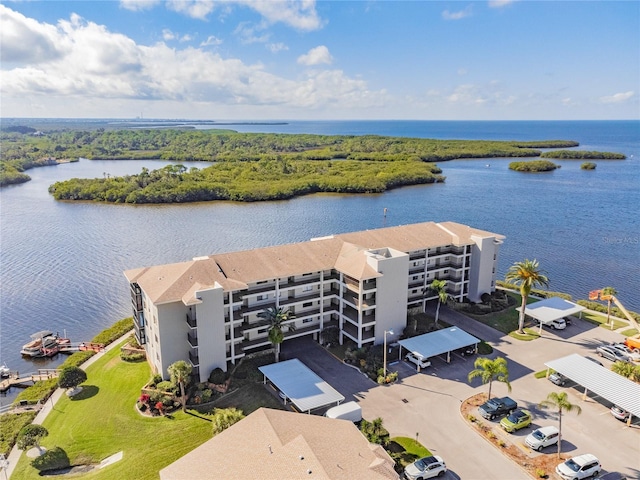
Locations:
(193, 358)
(191, 320)
(192, 339)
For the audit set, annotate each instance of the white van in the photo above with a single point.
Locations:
(347, 411)
(556, 324)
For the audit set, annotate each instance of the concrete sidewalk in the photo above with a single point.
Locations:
(49, 405)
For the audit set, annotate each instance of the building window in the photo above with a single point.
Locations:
(307, 288)
(307, 320)
(261, 282)
(262, 330)
(307, 304)
(446, 271)
(262, 297)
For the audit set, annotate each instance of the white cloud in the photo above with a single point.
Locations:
(617, 97)
(95, 67)
(252, 33)
(316, 56)
(167, 34)
(460, 14)
(276, 47)
(192, 8)
(462, 71)
(301, 15)
(211, 40)
(138, 5)
(24, 40)
(500, 3)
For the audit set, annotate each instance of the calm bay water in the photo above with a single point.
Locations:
(61, 264)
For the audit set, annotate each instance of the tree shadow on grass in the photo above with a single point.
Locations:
(198, 415)
(87, 391)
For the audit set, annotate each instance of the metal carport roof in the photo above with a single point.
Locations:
(306, 390)
(439, 342)
(600, 380)
(551, 308)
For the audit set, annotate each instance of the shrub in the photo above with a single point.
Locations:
(375, 432)
(223, 418)
(114, 332)
(471, 418)
(38, 392)
(132, 357)
(217, 376)
(156, 379)
(10, 426)
(166, 386)
(77, 359)
(53, 459)
(540, 473)
(206, 395)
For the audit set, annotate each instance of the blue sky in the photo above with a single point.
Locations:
(272, 59)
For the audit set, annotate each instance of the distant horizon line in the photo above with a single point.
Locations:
(272, 120)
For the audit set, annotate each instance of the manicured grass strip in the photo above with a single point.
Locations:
(405, 450)
(105, 421)
(630, 332)
(529, 334)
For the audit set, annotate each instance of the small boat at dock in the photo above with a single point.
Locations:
(4, 371)
(43, 344)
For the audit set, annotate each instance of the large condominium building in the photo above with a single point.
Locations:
(362, 283)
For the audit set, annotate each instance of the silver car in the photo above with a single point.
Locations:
(610, 353)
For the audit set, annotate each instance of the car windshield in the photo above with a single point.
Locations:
(420, 465)
(538, 435)
(573, 466)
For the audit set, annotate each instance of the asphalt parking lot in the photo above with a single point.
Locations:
(426, 405)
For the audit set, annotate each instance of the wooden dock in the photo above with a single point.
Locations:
(17, 380)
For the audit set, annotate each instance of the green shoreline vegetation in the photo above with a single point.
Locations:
(582, 155)
(290, 164)
(25, 148)
(533, 166)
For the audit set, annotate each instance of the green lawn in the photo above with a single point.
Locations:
(407, 450)
(601, 320)
(104, 421)
(505, 321)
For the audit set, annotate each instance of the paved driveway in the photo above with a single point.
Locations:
(349, 381)
(427, 404)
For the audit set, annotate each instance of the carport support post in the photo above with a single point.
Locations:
(584, 395)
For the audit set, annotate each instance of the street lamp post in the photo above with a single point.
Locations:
(384, 354)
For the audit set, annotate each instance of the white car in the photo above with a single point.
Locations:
(542, 437)
(622, 348)
(577, 468)
(427, 467)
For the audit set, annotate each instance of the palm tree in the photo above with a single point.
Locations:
(562, 403)
(527, 275)
(276, 317)
(439, 288)
(606, 293)
(489, 370)
(180, 373)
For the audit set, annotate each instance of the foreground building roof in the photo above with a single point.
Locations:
(279, 445)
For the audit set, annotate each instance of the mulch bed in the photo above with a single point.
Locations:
(538, 465)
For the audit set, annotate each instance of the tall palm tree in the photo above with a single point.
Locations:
(561, 402)
(527, 275)
(439, 287)
(489, 370)
(180, 373)
(607, 293)
(276, 317)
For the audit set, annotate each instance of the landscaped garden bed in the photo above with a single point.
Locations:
(538, 465)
